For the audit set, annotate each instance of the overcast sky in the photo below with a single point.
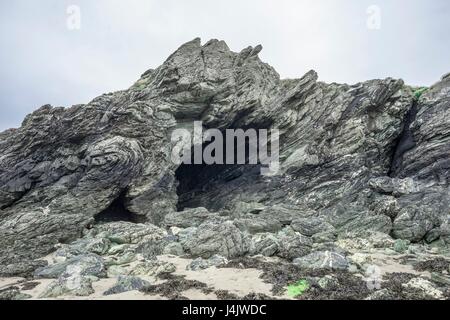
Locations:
(43, 61)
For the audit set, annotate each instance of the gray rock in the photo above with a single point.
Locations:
(185, 235)
(258, 225)
(266, 244)
(153, 268)
(364, 241)
(217, 237)
(293, 245)
(445, 232)
(12, 294)
(401, 246)
(128, 233)
(68, 284)
(65, 169)
(385, 205)
(174, 248)
(323, 260)
(424, 287)
(311, 226)
(412, 226)
(25, 268)
(99, 246)
(201, 264)
(394, 186)
(124, 258)
(188, 218)
(125, 284)
(241, 208)
(85, 265)
(433, 235)
(285, 214)
(383, 294)
(328, 282)
(324, 237)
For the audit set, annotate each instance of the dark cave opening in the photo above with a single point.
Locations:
(200, 184)
(117, 211)
(405, 142)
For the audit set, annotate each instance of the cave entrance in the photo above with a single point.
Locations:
(201, 185)
(117, 211)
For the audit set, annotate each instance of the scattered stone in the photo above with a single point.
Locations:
(216, 237)
(174, 248)
(13, 293)
(99, 246)
(328, 282)
(311, 226)
(266, 244)
(125, 284)
(115, 271)
(425, 287)
(86, 265)
(22, 269)
(121, 259)
(201, 264)
(323, 260)
(174, 287)
(383, 294)
(401, 246)
(366, 241)
(325, 237)
(153, 268)
(293, 245)
(71, 283)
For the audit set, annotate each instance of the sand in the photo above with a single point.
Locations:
(236, 281)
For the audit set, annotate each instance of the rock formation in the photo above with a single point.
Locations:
(355, 159)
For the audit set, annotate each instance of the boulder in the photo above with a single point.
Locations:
(266, 244)
(85, 265)
(152, 268)
(125, 284)
(322, 260)
(201, 264)
(293, 244)
(311, 226)
(217, 237)
(69, 284)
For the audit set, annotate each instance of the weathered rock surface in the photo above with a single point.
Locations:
(217, 237)
(320, 260)
(125, 284)
(188, 218)
(69, 283)
(201, 264)
(12, 294)
(354, 158)
(85, 265)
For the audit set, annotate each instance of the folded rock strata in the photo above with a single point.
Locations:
(371, 156)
